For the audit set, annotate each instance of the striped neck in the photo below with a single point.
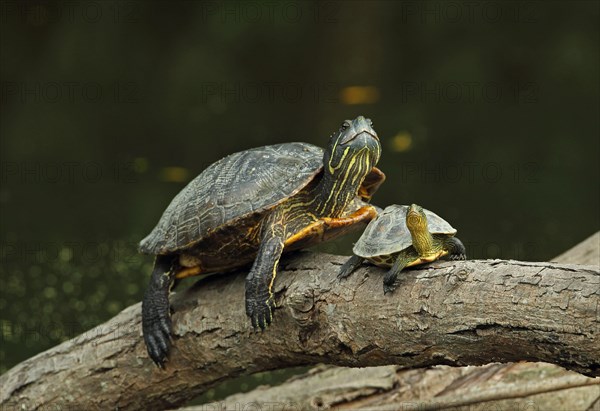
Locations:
(334, 196)
(422, 240)
(338, 187)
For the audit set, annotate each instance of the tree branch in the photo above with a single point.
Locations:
(523, 385)
(391, 388)
(455, 313)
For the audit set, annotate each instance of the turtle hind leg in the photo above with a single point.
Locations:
(456, 249)
(156, 316)
(402, 260)
(349, 266)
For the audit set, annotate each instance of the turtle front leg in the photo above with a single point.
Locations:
(456, 249)
(371, 183)
(349, 266)
(156, 316)
(260, 301)
(402, 260)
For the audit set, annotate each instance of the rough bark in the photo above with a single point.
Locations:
(586, 252)
(456, 313)
(391, 388)
(521, 386)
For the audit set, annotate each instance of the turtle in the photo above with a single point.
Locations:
(403, 236)
(250, 207)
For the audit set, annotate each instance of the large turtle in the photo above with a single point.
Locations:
(402, 236)
(253, 205)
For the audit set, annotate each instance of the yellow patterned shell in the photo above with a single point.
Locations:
(388, 234)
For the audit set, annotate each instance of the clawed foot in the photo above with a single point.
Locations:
(457, 257)
(156, 325)
(349, 267)
(345, 271)
(260, 312)
(388, 288)
(389, 281)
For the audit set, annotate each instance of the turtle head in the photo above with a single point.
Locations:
(416, 221)
(353, 150)
(352, 153)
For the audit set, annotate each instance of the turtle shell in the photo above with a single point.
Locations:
(388, 234)
(239, 185)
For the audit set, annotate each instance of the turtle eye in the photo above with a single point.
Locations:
(345, 125)
(370, 122)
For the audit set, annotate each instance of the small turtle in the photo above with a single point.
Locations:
(403, 236)
(250, 207)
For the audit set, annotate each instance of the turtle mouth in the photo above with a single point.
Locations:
(366, 134)
(414, 218)
(365, 140)
(412, 214)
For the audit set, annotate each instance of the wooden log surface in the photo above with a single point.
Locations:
(510, 386)
(455, 313)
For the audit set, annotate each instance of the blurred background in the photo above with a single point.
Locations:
(487, 112)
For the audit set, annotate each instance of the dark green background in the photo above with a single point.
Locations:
(487, 112)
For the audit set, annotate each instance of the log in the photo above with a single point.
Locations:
(455, 313)
(519, 386)
(392, 388)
